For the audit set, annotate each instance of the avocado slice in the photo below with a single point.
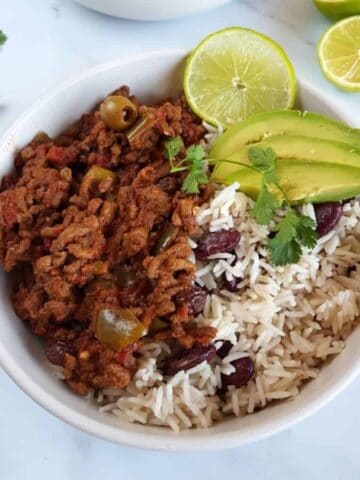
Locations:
(285, 122)
(293, 147)
(304, 181)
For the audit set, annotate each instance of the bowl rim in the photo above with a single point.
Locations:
(167, 440)
(159, 10)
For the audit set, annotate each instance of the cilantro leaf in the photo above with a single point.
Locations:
(192, 181)
(265, 206)
(286, 228)
(283, 247)
(293, 232)
(195, 154)
(264, 161)
(3, 38)
(173, 147)
(196, 176)
(306, 232)
(283, 253)
(190, 184)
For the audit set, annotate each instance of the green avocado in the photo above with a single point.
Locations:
(293, 147)
(286, 122)
(304, 181)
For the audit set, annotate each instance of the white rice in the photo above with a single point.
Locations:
(289, 320)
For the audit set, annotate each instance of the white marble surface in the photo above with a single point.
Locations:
(50, 40)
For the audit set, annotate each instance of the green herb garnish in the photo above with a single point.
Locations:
(267, 203)
(172, 148)
(294, 231)
(3, 38)
(265, 206)
(193, 163)
(264, 161)
(196, 176)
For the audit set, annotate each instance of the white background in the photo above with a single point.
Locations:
(50, 40)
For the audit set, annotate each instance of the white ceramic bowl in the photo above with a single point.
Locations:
(21, 354)
(151, 9)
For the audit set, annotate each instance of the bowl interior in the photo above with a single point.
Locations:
(21, 354)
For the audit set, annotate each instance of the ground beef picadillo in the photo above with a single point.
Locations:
(70, 229)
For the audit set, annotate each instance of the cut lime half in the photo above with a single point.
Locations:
(339, 54)
(337, 9)
(235, 73)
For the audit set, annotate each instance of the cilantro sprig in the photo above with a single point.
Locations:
(291, 233)
(3, 38)
(267, 202)
(193, 163)
(294, 231)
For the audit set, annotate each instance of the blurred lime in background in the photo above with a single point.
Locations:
(339, 54)
(337, 9)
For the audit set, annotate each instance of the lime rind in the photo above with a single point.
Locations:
(226, 105)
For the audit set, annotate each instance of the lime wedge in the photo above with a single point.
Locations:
(338, 8)
(236, 72)
(339, 54)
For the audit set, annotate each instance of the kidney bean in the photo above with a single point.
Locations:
(327, 216)
(55, 352)
(189, 359)
(244, 370)
(194, 298)
(222, 241)
(224, 350)
(230, 285)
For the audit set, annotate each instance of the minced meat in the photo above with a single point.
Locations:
(69, 231)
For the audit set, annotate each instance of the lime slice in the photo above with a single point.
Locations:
(236, 72)
(338, 8)
(339, 54)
